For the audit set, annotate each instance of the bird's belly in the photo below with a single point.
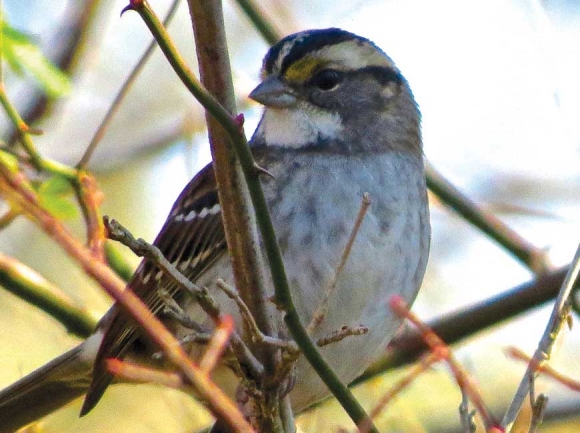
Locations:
(388, 257)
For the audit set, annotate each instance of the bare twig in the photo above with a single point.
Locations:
(29, 285)
(89, 197)
(557, 320)
(545, 369)
(12, 185)
(137, 373)
(466, 417)
(424, 364)
(207, 303)
(341, 334)
(252, 328)
(399, 306)
(217, 344)
(320, 313)
(116, 104)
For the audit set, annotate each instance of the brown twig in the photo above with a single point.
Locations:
(143, 249)
(341, 334)
(438, 346)
(13, 186)
(423, 365)
(116, 104)
(217, 344)
(90, 197)
(545, 369)
(137, 373)
(250, 324)
(455, 326)
(320, 313)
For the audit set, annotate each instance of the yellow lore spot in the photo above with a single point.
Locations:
(303, 69)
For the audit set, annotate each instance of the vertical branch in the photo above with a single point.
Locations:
(237, 210)
(557, 320)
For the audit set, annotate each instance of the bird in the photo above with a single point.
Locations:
(339, 123)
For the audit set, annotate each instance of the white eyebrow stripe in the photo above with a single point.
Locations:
(352, 55)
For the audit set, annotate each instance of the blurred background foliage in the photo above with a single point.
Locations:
(497, 85)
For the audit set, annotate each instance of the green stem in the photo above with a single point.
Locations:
(256, 16)
(532, 257)
(37, 160)
(27, 284)
(244, 154)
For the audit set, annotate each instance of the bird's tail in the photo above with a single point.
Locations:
(44, 390)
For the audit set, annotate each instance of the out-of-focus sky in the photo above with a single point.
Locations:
(496, 81)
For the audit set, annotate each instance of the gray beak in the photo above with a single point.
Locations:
(272, 92)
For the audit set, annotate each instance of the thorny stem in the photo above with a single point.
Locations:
(282, 289)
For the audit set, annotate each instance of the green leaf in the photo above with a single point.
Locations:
(55, 196)
(25, 57)
(56, 185)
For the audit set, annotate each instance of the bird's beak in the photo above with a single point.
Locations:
(273, 92)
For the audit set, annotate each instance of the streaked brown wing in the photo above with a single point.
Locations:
(193, 237)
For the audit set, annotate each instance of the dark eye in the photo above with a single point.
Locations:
(327, 79)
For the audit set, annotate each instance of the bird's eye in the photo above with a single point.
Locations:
(327, 79)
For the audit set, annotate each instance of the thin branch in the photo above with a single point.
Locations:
(545, 370)
(257, 17)
(423, 365)
(252, 329)
(341, 334)
(143, 249)
(557, 320)
(137, 373)
(282, 289)
(534, 258)
(216, 345)
(13, 186)
(455, 326)
(90, 197)
(321, 311)
(116, 104)
(29, 285)
(438, 346)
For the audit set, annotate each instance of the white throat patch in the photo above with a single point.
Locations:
(298, 127)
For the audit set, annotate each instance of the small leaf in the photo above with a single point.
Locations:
(55, 196)
(56, 185)
(60, 207)
(23, 56)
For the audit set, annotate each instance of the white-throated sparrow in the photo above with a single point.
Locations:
(339, 121)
